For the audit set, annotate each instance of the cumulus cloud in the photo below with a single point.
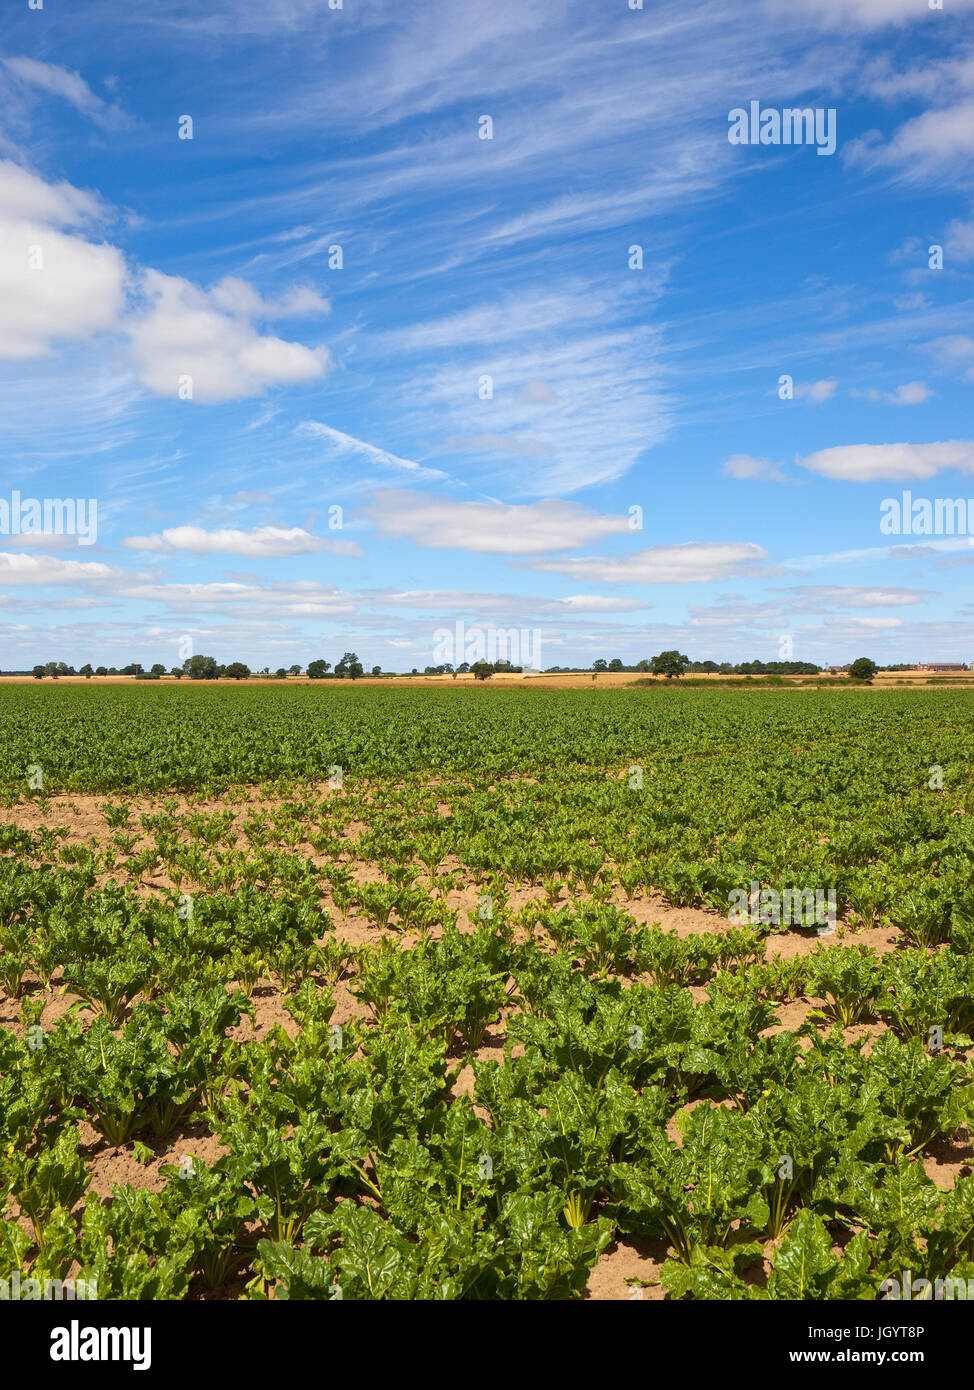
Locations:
(866, 463)
(185, 332)
(694, 562)
(47, 569)
(261, 542)
(488, 528)
(55, 285)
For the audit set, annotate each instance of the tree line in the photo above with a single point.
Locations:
(671, 664)
(207, 668)
(675, 664)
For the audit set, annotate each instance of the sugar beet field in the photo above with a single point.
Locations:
(387, 994)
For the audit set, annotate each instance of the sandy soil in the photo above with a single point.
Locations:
(627, 1270)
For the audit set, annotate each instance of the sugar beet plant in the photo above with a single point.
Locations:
(416, 1032)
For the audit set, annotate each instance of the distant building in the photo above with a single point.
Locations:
(940, 666)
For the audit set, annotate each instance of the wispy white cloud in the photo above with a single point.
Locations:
(490, 528)
(694, 562)
(263, 542)
(866, 14)
(61, 82)
(818, 392)
(348, 445)
(747, 468)
(910, 393)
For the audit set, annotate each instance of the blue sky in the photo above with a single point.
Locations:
(178, 341)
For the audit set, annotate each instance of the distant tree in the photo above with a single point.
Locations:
(201, 668)
(294, 670)
(51, 669)
(862, 669)
(616, 664)
(133, 669)
(237, 671)
(670, 664)
(112, 671)
(462, 669)
(101, 670)
(63, 669)
(177, 671)
(280, 673)
(483, 670)
(643, 665)
(600, 664)
(349, 666)
(377, 670)
(86, 671)
(38, 673)
(317, 670)
(157, 670)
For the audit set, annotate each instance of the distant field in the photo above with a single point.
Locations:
(570, 680)
(204, 735)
